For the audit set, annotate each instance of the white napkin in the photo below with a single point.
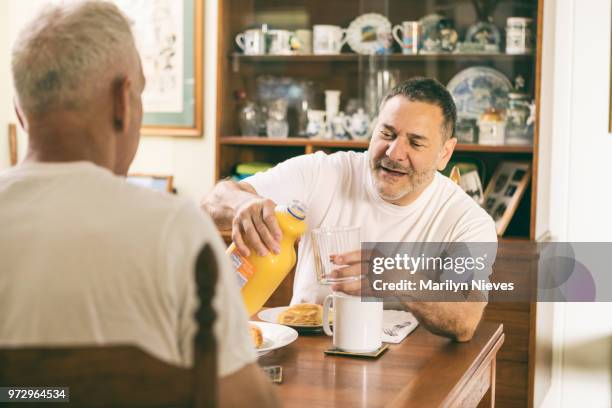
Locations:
(392, 318)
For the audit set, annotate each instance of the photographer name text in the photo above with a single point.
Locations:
(448, 285)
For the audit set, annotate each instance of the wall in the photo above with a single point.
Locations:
(191, 161)
(576, 160)
(5, 101)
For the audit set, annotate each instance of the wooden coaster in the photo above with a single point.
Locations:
(372, 354)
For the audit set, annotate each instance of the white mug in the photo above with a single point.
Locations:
(357, 325)
(328, 39)
(252, 42)
(279, 42)
(519, 35)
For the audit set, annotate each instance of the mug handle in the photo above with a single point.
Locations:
(344, 39)
(326, 306)
(395, 31)
(240, 41)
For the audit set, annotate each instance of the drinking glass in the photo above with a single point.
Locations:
(328, 241)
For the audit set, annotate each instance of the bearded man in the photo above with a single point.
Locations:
(394, 192)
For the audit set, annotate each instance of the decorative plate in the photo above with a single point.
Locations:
(370, 34)
(477, 89)
(483, 32)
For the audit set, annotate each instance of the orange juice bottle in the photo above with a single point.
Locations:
(259, 276)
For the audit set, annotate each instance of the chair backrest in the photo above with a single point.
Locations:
(126, 376)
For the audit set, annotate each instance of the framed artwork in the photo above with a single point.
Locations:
(169, 37)
(504, 192)
(152, 181)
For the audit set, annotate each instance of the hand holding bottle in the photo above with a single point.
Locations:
(255, 226)
(259, 275)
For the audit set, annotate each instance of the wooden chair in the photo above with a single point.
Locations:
(123, 375)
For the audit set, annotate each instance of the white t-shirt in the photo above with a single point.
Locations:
(86, 258)
(339, 191)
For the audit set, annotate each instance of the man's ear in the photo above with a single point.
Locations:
(121, 104)
(20, 116)
(447, 152)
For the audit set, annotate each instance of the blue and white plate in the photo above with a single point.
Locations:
(477, 89)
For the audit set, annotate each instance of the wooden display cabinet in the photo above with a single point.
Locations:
(346, 72)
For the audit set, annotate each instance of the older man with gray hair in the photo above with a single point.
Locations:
(86, 257)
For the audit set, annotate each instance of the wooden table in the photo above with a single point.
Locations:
(425, 370)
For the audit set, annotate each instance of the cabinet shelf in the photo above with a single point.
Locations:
(356, 144)
(349, 57)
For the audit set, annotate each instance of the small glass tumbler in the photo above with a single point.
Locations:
(330, 241)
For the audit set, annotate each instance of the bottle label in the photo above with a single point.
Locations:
(244, 269)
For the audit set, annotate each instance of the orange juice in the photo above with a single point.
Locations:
(259, 276)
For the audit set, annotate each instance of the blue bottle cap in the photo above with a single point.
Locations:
(298, 210)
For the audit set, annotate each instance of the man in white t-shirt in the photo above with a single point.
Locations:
(86, 257)
(393, 192)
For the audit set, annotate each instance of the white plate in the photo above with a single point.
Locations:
(370, 34)
(275, 336)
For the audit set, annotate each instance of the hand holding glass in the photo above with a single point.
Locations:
(328, 242)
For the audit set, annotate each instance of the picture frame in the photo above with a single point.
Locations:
(157, 182)
(505, 191)
(169, 37)
(13, 146)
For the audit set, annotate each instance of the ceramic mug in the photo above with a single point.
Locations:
(357, 325)
(328, 39)
(519, 35)
(252, 42)
(409, 40)
(279, 42)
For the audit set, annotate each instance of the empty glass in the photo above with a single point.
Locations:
(330, 241)
(378, 83)
(277, 125)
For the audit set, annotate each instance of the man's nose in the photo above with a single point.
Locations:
(397, 150)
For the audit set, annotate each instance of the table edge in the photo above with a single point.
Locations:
(447, 397)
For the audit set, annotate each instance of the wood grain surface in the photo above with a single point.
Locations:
(425, 370)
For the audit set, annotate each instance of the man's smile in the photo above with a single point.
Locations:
(390, 171)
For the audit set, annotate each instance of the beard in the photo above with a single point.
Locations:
(406, 181)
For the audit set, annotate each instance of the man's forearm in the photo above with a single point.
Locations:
(456, 320)
(221, 203)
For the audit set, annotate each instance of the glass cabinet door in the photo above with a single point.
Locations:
(298, 76)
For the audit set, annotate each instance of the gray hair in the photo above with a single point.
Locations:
(66, 53)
